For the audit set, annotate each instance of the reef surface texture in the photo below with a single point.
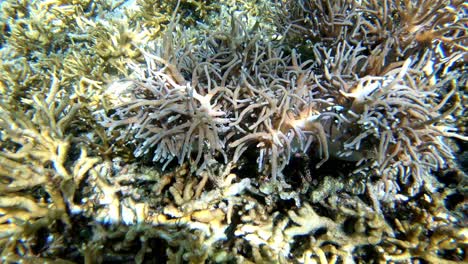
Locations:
(253, 131)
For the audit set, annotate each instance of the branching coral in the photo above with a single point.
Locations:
(171, 207)
(156, 14)
(199, 222)
(443, 244)
(35, 180)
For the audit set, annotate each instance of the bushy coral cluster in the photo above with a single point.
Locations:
(233, 131)
(397, 89)
(217, 99)
(379, 100)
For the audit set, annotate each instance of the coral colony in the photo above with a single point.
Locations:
(306, 131)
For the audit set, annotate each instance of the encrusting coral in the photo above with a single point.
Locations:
(233, 131)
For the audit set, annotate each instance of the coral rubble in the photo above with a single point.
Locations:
(233, 131)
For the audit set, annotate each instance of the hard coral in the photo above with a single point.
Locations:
(36, 176)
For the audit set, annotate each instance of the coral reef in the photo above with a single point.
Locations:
(233, 131)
